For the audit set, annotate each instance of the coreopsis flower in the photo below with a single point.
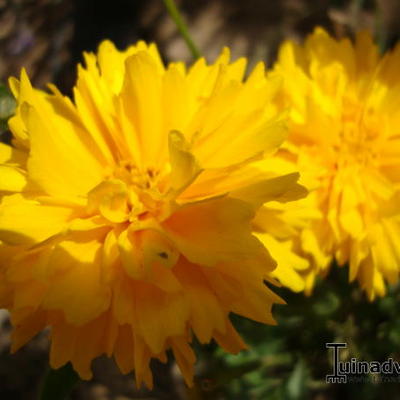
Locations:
(344, 139)
(126, 213)
(284, 227)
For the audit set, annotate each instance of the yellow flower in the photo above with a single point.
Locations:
(126, 214)
(281, 228)
(344, 139)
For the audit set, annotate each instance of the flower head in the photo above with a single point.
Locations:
(344, 138)
(125, 220)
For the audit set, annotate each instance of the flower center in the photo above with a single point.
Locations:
(129, 194)
(358, 136)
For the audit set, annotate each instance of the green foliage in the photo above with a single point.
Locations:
(290, 361)
(7, 106)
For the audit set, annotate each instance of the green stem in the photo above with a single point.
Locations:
(182, 27)
(58, 383)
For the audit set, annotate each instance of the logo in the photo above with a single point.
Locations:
(336, 377)
(345, 371)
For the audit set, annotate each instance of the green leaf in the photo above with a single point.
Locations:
(7, 106)
(327, 305)
(296, 384)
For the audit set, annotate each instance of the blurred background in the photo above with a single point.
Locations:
(288, 361)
